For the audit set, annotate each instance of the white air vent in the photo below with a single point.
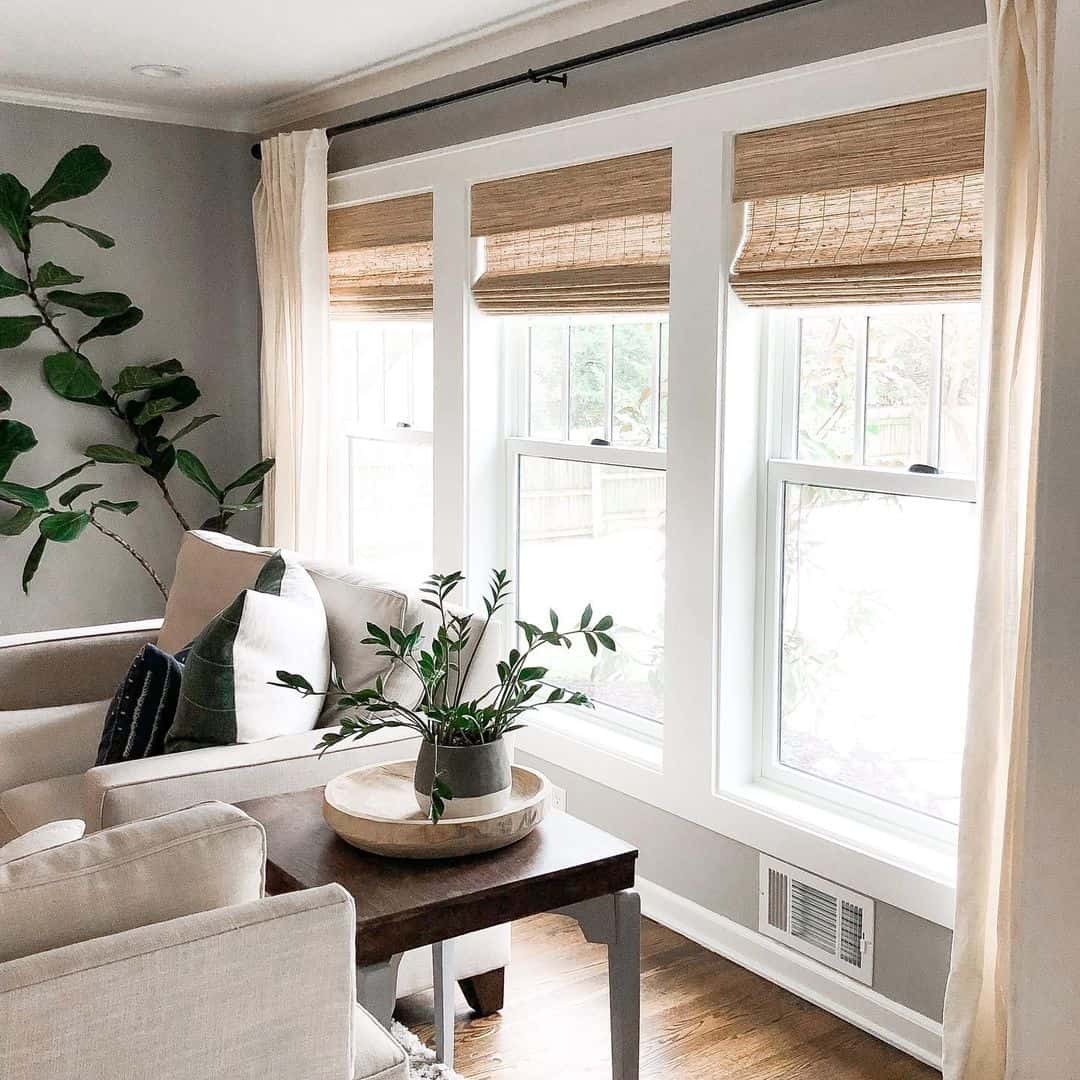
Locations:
(817, 918)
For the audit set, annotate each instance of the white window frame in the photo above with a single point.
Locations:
(705, 772)
(386, 432)
(782, 467)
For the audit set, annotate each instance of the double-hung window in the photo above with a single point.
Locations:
(574, 265)
(870, 555)
(863, 246)
(381, 338)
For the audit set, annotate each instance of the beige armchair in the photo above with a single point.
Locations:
(55, 689)
(149, 952)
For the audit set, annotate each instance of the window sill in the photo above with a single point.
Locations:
(561, 735)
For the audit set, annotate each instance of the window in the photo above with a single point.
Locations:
(871, 533)
(385, 370)
(586, 462)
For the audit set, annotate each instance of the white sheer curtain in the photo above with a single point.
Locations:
(296, 390)
(979, 1000)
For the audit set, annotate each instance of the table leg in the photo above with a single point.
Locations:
(615, 920)
(442, 962)
(376, 988)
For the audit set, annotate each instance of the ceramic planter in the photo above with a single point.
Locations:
(478, 776)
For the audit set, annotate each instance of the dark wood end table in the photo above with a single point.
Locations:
(564, 867)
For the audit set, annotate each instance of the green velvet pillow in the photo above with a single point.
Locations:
(225, 693)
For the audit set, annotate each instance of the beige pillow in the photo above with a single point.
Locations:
(42, 838)
(206, 857)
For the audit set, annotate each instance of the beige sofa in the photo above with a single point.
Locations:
(149, 952)
(55, 688)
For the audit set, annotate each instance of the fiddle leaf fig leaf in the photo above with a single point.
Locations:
(21, 495)
(115, 455)
(76, 174)
(15, 439)
(51, 276)
(101, 239)
(73, 493)
(114, 324)
(15, 329)
(65, 526)
(5, 400)
(15, 211)
(252, 475)
(197, 473)
(191, 425)
(141, 377)
(33, 561)
(97, 305)
(18, 522)
(71, 376)
(10, 285)
(154, 408)
(67, 474)
(125, 508)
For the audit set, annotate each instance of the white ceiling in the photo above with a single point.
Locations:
(253, 62)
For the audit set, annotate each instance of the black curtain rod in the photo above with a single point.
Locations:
(557, 73)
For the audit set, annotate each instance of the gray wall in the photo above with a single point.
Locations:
(819, 32)
(178, 203)
(912, 955)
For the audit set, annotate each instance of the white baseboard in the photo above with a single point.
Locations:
(895, 1024)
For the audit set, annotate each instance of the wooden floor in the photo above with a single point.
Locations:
(703, 1018)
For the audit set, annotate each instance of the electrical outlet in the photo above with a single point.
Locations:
(558, 798)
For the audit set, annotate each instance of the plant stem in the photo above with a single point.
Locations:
(133, 553)
(167, 495)
(114, 404)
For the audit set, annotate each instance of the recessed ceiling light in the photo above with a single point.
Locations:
(159, 71)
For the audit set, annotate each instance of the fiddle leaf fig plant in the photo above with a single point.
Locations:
(140, 399)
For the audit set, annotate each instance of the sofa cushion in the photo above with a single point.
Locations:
(205, 857)
(42, 838)
(31, 805)
(376, 1056)
(36, 744)
(227, 693)
(143, 707)
(211, 569)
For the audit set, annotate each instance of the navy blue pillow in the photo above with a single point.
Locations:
(142, 710)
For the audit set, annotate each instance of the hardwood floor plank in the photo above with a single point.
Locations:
(702, 1018)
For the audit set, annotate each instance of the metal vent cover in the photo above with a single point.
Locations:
(817, 918)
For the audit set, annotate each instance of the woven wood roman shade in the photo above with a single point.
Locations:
(381, 258)
(881, 206)
(587, 238)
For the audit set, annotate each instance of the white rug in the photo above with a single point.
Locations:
(422, 1063)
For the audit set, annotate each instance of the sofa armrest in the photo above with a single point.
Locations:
(260, 989)
(64, 667)
(148, 787)
(42, 744)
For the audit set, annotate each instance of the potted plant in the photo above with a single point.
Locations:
(463, 768)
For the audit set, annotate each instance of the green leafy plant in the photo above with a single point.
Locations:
(442, 665)
(140, 399)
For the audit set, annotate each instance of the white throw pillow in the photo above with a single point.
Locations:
(226, 695)
(42, 838)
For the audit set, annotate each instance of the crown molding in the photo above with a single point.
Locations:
(156, 114)
(555, 21)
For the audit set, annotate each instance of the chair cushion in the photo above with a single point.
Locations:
(211, 569)
(31, 805)
(226, 694)
(143, 707)
(375, 1055)
(36, 744)
(42, 838)
(144, 872)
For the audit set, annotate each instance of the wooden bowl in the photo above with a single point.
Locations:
(374, 809)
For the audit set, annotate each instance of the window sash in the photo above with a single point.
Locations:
(783, 468)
